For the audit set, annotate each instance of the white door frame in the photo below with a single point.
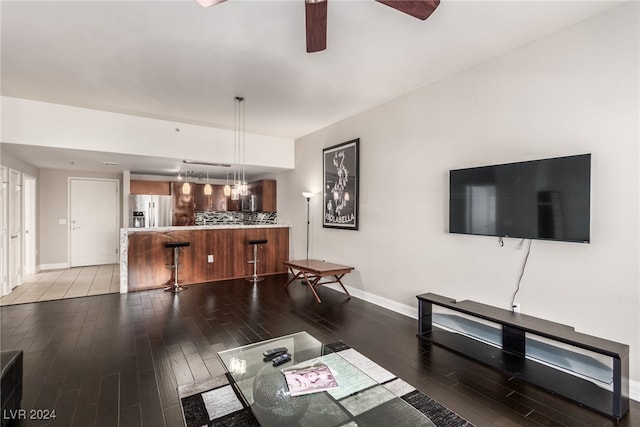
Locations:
(4, 235)
(29, 222)
(15, 230)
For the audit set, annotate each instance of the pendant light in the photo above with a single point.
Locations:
(186, 187)
(234, 187)
(243, 184)
(227, 187)
(239, 184)
(207, 187)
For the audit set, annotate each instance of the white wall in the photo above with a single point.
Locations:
(12, 162)
(53, 125)
(54, 206)
(573, 92)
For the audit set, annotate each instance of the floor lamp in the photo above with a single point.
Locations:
(307, 195)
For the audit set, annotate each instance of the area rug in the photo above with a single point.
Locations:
(216, 403)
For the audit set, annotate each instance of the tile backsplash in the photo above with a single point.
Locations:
(225, 218)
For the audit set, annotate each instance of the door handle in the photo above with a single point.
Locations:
(14, 236)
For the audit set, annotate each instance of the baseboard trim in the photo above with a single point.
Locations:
(412, 312)
(383, 302)
(634, 390)
(54, 266)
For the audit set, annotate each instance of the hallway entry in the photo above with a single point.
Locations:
(93, 214)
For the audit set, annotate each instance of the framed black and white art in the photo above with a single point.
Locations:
(341, 182)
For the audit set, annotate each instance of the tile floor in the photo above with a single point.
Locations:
(66, 283)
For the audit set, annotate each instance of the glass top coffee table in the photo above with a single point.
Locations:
(358, 400)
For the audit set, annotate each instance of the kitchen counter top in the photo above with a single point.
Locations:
(205, 227)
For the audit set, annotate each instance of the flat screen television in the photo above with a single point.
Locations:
(548, 199)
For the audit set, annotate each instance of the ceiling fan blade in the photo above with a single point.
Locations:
(420, 9)
(207, 3)
(316, 24)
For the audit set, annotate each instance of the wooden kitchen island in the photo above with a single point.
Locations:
(144, 258)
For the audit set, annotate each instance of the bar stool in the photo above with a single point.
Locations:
(177, 247)
(255, 260)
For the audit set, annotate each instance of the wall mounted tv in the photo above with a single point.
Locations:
(547, 199)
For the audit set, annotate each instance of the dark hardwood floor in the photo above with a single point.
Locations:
(116, 360)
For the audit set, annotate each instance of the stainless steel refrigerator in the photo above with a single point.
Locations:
(156, 211)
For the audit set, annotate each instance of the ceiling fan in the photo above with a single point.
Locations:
(316, 16)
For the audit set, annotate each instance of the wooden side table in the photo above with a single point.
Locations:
(313, 270)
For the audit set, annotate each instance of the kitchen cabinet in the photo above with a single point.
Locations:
(147, 256)
(216, 201)
(266, 195)
(162, 188)
(233, 205)
(183, 205)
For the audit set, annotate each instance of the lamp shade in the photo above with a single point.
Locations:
(307, 194)
(243, 189)
(186, 188)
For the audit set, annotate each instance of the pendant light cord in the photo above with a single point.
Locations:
(235, 143)
(244, 148)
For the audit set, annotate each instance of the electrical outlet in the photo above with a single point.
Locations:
(209, 258)
(516, 307)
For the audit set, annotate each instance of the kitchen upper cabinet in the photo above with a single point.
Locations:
(186, 205)
(233, 205)
(266, 195)
(216, 201)
(265, 192)
(150, 187)
(183, 205)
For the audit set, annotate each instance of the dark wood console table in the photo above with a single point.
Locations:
(511, 357)
(313, 270)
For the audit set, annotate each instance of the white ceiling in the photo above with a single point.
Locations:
(178, 61)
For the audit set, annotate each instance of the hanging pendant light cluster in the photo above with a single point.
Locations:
(239, 152)
(238, 187)
(208, 188)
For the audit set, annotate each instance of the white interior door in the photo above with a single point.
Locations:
(15, 229)
(29, 185)
(93, 207)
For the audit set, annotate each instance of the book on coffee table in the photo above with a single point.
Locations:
(310, 379)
